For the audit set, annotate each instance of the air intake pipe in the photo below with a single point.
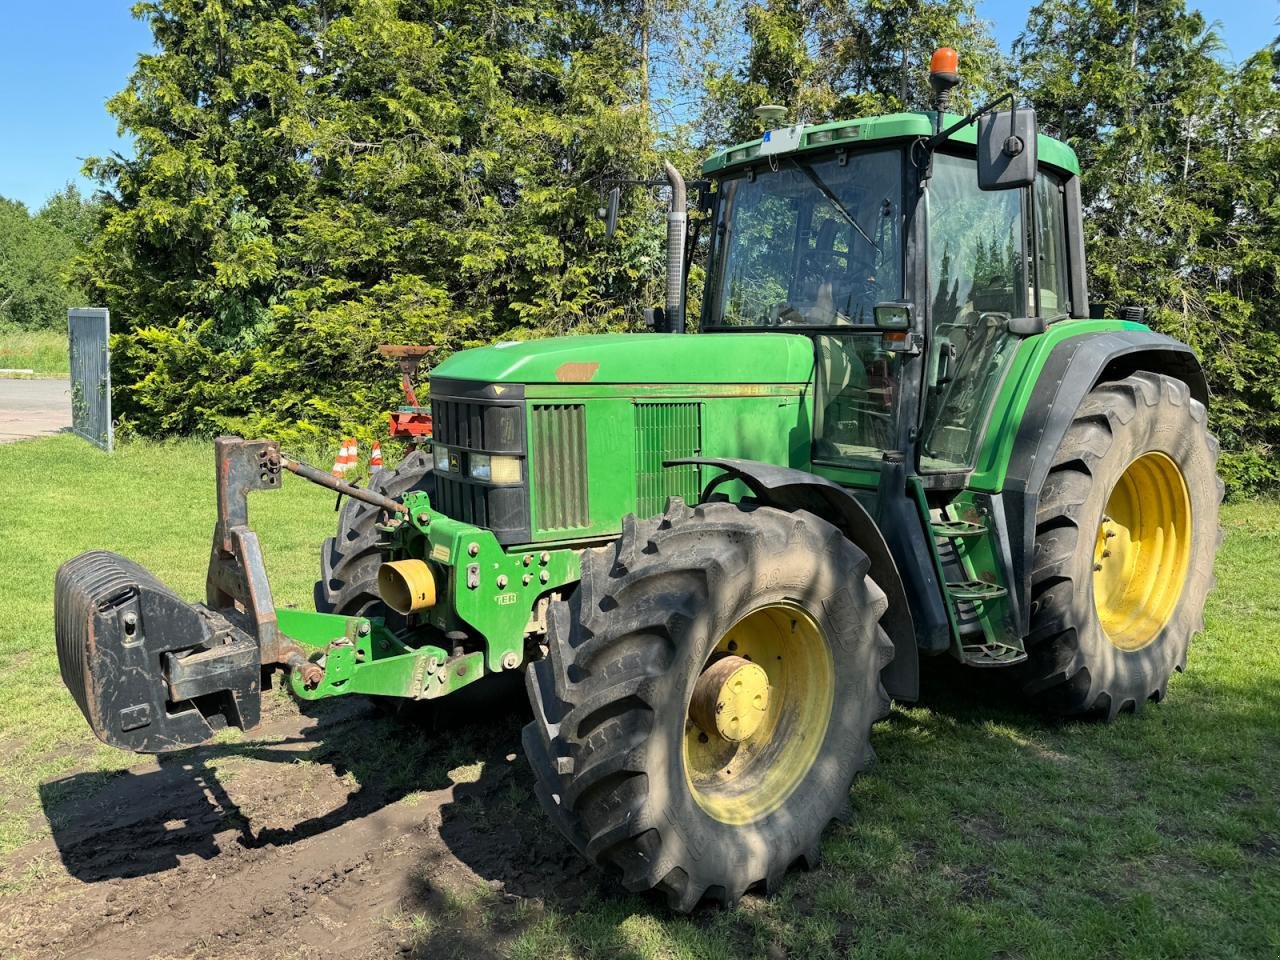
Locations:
(677, 224)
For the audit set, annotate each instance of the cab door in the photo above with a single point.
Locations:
(977, 259)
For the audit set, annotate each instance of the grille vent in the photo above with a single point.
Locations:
(560, 467)
(477, 426)
(666, 431)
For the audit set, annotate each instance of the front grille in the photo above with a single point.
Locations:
(472, 425)
(559, 438)
(472, 417)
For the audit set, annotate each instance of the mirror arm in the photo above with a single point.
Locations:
(938, 138)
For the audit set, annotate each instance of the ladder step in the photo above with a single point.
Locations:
(975, 591)
(950, 529)
(992, 654)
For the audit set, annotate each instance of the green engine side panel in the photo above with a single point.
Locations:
(606, 412)
(597, 452)
(1015, 392)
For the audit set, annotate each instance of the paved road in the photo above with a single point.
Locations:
(33, 408)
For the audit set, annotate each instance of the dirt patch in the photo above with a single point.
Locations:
(316, 839)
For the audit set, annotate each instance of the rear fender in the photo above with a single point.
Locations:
(789, 489)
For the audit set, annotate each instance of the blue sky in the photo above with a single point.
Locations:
(58, 69)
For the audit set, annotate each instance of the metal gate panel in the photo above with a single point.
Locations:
(88, 329)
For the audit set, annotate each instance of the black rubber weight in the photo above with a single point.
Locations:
(349, 560)
(1072, 667)
(609, 701)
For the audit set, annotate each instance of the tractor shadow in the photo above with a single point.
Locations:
(204, 801)
(345, 761)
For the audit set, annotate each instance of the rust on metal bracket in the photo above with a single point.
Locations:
(237, 585)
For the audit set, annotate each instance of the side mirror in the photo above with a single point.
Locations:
(609, 213)
(1007, 149)
(893, 315)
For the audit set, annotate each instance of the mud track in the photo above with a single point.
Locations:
(324, 836)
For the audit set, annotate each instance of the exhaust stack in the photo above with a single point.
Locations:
(677, 225)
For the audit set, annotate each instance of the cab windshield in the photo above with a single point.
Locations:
(812, 243)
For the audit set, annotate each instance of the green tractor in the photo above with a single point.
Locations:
(716, 558)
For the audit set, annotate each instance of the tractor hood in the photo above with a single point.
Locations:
(638, 358)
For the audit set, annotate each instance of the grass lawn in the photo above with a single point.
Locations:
(43, 351)
(983, 831)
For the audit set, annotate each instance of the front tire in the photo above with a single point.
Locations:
(1126, 532)
(708, 697)
(350, 559)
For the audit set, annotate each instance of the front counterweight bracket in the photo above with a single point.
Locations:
(237, 585)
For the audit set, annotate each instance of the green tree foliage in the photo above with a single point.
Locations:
(1181, 191)
(314, 178)
(825, 59)
(36, 256)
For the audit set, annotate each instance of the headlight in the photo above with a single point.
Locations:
(441, 457)
(493, 468)
(504, 469)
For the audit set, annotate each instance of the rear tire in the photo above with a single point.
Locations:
(620, 765)
(1126, 532)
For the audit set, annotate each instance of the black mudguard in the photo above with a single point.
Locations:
(789, 489)
(1074, 368)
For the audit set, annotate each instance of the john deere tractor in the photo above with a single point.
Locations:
(900, 433)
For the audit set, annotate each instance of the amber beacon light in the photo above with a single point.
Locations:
(944, 69)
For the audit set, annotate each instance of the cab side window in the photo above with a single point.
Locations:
(1053, 299)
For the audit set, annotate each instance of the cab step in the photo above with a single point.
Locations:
(975, 591)
(953, 529)
(983, 654)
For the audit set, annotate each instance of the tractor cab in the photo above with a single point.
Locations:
(915, 280)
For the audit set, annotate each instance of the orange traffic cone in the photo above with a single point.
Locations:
(346, 457)
(375, 458)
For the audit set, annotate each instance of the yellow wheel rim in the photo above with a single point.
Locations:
(758, 714)
(1142, 552)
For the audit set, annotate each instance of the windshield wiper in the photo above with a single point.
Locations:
(832, 199)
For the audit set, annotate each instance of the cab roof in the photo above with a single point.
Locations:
(890, 126)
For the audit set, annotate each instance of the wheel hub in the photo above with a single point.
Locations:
(1142, 551)
(757, 713)
(730, 699)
